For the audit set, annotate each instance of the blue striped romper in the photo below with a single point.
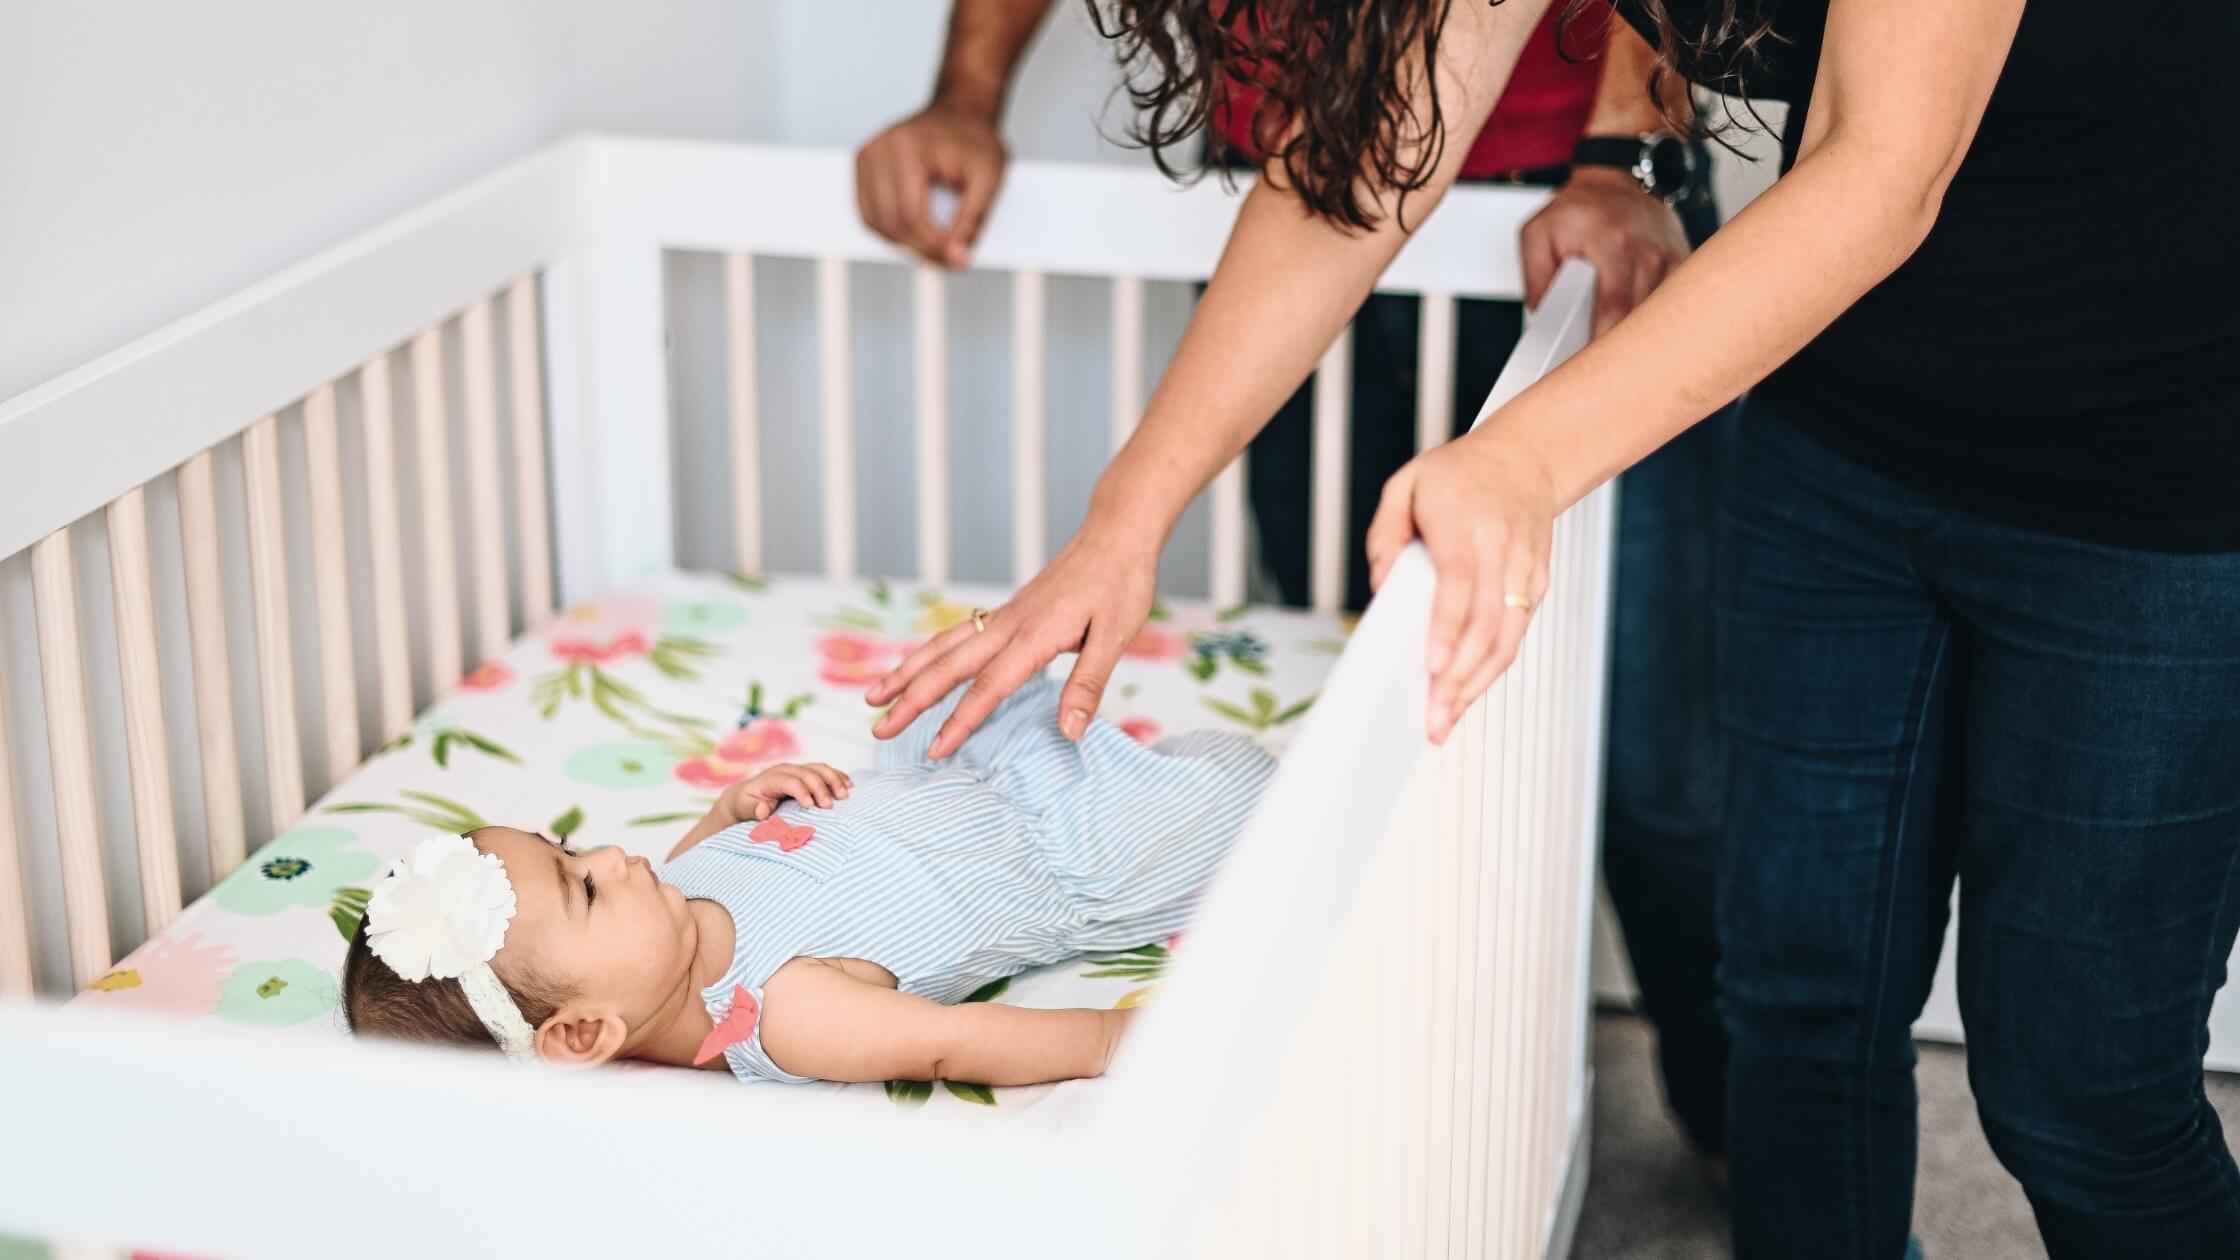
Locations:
(1022, 848)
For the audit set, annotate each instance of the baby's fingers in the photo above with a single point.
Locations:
(834, 780)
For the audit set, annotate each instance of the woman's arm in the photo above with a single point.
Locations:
(1287, 282)
(819, 1021)
(1902, 86)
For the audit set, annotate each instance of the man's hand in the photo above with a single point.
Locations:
(1633, 239)
(943, 144)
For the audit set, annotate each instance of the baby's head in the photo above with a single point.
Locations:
(594, 947)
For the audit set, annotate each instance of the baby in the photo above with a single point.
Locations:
(819, 927)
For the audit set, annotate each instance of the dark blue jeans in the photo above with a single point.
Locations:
(1915, 694)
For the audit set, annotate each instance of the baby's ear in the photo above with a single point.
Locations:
(575, 1037)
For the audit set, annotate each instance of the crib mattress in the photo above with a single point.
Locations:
(620, 722)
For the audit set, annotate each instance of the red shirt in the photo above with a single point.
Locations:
(1538, 119)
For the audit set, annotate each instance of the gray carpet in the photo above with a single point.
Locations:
(1648, 1198)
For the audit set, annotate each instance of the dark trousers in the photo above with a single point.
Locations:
(1915, 694)
(1667, 766)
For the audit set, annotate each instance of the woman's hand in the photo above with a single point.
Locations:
(1486, 512)
(1092, 598)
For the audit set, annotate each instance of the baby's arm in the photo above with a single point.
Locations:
(814, 783)
(819, 1021)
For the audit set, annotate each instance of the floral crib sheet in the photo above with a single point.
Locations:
(620, 721)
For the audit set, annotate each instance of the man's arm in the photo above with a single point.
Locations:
(1602, 214)
(819, 1021)
(953, 140)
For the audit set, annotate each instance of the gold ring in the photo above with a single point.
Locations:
(1526, 602)
(979, 619)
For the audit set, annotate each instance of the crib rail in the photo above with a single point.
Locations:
(1451, 999)
(279, 544)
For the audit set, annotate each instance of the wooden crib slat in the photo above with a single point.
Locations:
(526, 382)
(1333, 404)
(155, 831)
(85, 896)
(1435, 372)
(268, 585)
(837, 410)
(1227, 547)
(743, 375)
(485, 497)
(224, 832)
(1030, 424)
(15, 911)
(1127, 357)
(929, 325)
(392, 651)
(330, 576)
(439, 592)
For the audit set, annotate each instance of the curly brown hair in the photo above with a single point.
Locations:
(1337, 115)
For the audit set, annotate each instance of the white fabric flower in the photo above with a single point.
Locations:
(442, 909)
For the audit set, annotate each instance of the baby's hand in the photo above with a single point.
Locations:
(811, 783)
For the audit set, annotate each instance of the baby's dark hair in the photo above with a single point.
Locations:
(377, 1002)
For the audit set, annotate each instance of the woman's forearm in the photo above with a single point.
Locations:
(1286, 283)
(1901, 88)
(1740, 306)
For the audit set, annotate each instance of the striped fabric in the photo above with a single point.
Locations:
(1022, 849)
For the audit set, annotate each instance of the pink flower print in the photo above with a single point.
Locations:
(734, 1027)
(856, 660)
(600, 652)
(760, 742)
(607, 631)
(609, 618)
(167, 976)
(779, 832)
(1143, 730)
(1154, 643)
(489, 676)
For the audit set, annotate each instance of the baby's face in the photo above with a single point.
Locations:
(598, 922)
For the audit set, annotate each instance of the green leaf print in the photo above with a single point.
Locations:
(348, 909)
(971, 1093)
(657, 820)
(426, 808)
(1144, 962)
(750, 582)
(568, 823)
(1266, 713)
(990, 991)
(487, 747)
(909, 1094)
(1202, 667)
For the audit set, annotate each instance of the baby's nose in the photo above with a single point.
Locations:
(607, 861)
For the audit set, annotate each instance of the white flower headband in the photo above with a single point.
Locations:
(441, 913)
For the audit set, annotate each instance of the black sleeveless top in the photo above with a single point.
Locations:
(2063, 351)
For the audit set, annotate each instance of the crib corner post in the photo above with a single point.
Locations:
(608, 379)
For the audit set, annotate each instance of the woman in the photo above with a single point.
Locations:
(1981, 606)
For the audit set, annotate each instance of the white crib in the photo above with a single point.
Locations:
(1447, 961)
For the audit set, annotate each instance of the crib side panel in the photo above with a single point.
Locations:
(137, 599)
